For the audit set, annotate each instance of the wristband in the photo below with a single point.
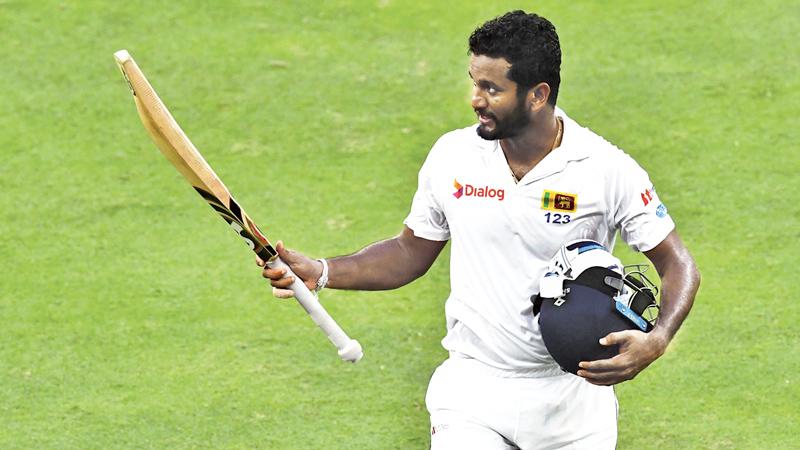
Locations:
(323, 279)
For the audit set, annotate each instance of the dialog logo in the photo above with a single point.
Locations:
(468, 190)
(459, 189)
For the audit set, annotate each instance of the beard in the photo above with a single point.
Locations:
(511, 126)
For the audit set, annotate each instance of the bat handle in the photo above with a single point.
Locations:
(349, 349)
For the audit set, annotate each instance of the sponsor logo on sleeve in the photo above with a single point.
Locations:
(661, 211)
(559, 201)
(647, 195)
(468, 190)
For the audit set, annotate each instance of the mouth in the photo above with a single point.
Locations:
(484, 118)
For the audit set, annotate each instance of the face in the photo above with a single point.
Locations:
(501, 112)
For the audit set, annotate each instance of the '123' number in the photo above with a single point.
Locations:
(557, 218)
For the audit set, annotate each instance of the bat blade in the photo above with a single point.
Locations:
(175, 145)
(179, 150)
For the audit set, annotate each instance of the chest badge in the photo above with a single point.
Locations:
(559, 201)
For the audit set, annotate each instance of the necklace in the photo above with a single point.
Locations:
(559, 135)
(556, 144)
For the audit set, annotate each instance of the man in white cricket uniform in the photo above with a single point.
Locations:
(508, 193)
(504, 232)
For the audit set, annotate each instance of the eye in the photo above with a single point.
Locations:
(492, 91)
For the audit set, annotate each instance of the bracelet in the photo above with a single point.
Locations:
(323, 279)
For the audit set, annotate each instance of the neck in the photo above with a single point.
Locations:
(524, 151)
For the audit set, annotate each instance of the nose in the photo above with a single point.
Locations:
(478, 102)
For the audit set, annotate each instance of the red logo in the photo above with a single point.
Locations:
(647, 195)
(469, 190)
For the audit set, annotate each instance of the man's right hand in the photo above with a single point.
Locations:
(309, 270)
(383, 265)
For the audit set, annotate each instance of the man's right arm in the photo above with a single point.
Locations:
(386, 264)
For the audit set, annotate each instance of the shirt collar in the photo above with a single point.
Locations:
(571, 148)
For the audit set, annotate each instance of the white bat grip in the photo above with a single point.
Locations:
(349, 349)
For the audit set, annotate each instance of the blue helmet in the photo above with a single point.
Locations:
(585, 294)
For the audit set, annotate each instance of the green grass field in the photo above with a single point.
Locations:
(131, 317)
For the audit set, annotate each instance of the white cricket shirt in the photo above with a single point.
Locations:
(504, 233)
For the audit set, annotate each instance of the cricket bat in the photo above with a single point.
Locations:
(179, 150)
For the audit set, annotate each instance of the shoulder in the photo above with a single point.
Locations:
(596, 150)
(461, 139)
(459, 144)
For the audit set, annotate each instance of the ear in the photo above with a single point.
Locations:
(538, 96)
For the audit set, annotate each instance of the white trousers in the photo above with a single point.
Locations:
(475, 406)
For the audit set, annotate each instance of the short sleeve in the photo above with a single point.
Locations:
(643, 220)
(427, 218)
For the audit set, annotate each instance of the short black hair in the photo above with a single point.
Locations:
(528, 42)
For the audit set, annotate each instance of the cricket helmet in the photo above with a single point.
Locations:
(585, 294)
